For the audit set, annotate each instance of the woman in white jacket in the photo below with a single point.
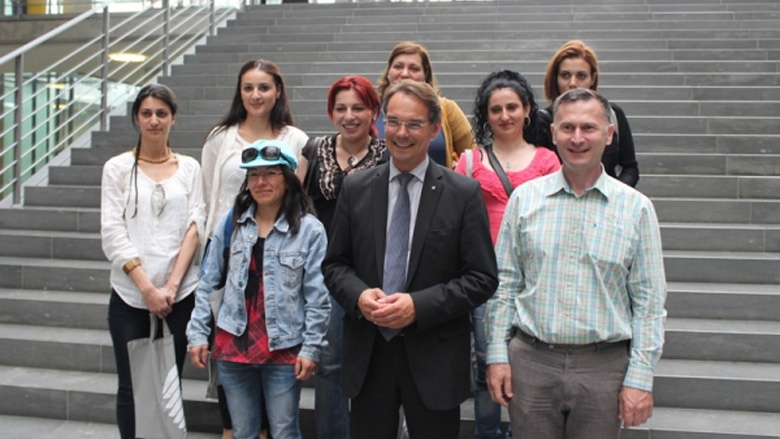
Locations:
(259, 111)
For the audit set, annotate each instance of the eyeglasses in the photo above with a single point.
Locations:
(268, 153)
(412, 125)
(254, 174)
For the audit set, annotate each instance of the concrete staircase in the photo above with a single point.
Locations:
(699, 80)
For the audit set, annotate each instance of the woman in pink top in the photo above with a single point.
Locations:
(505, 124)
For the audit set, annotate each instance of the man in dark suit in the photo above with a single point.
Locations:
(409, 345)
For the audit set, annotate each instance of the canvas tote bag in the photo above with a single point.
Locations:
(159, 410)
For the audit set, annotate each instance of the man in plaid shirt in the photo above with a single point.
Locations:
(577, 324)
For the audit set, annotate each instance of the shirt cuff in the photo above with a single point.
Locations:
(497, 353)
(639, 378)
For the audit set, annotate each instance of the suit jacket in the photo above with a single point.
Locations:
(452, 270)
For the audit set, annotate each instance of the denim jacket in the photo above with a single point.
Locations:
(297, 307)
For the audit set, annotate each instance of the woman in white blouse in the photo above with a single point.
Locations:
(151, 218)
(259, 111)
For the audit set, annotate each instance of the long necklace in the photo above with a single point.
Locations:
(153, 161)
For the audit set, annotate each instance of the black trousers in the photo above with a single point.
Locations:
(127, 323)
(389, 385)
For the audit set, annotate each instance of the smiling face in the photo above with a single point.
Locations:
(408, 147)
(574, 73)
(406, 66)
(267, 186)
(351, 116)
(506, 114)
(581, 132)
(258, 93)
(154, 120)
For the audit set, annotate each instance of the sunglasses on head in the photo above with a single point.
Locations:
(268, 153)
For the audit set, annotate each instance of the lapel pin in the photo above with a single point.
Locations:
(433, 188)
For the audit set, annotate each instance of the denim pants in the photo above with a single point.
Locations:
(126, 323)
(250, 387)
(487, 414)
(331, 406)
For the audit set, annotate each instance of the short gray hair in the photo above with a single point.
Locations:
(584, 94)
(421, 91)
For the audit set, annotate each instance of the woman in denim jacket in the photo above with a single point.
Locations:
(274, 314)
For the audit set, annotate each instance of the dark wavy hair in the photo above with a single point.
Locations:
(164, 94)
(295, 204)
(498, 80)
(281, 116)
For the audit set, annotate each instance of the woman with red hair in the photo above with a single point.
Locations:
(353, 107)
(575, 65)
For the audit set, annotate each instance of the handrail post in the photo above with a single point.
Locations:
(104, 72)
(166, 39)
(19, 82)
(212, 16)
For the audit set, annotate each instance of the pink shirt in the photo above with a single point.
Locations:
(544, 162)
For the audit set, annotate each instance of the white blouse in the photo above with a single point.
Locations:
(222, 176)
(151, 229)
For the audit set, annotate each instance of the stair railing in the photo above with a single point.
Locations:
(47, 110)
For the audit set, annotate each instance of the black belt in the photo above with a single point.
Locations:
(569, 348)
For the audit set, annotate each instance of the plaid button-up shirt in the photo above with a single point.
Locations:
(579, 270)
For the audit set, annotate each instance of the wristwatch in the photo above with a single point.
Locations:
(131, 265)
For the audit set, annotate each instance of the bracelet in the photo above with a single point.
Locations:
(131, 265)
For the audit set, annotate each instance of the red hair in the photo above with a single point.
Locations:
(363, 88)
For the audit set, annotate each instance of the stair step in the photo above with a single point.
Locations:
(86, 350)
(720, 237)
(87, 397)
(722, 340)
(62, 196)
(67, 219)
(74, 349)
(710, 186)
(723, 301)
(72, 309)
(681, 423)
(25, 427)
(54, 274)
(717, 385)
(99, 156)
(709, 164)
(692, 266)
(57, 245)
(702, 210)
(77, 175)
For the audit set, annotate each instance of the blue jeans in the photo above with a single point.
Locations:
(487, 414)
(331, 406)
(246, 385)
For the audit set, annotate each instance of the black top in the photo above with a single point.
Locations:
(324, 175)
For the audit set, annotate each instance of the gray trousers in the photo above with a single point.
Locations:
(565, 391)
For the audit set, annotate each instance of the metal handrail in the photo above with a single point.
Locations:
(47, 113)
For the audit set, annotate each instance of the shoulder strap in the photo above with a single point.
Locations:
(228, 237)
(499, 171)
(311, 152)
(469, 162)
